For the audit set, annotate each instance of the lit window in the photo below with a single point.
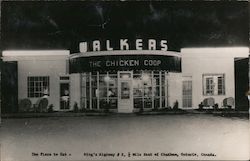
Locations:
(209, 86)
(213, 84)
(38, 86)
(221, 85)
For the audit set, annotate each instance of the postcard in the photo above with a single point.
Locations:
(124, 80)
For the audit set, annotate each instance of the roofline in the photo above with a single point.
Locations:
(240, 58)
(17, 53)
(125, 52)
(213, 49)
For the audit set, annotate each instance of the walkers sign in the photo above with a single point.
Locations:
(123, 44)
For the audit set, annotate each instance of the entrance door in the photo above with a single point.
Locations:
(64, 96)
(125, 89)
(187, 93)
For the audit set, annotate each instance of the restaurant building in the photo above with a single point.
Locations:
(126, 80)
(39, 74)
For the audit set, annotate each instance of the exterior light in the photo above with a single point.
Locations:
(125, 76)
(145, 77)
(106, 78)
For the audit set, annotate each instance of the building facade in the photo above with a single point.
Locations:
(40, 74)
(212, 73)
(126, 81)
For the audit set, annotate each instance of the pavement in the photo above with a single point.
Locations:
(125, 137)
(240, 114)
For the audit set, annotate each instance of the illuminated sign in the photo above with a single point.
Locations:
(125, 62)
(123, 44)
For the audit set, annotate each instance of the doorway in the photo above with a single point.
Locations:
(187, 93)
(125, 95)
(64, 96)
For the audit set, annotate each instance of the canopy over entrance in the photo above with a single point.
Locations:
(125, 60)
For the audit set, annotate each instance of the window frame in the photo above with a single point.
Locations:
(36, 86)
(215, 85)
(187, 93)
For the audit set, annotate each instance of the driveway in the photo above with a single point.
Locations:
(125, 137)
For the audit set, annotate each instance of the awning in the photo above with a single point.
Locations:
(122, 61)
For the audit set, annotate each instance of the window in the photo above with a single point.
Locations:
(38, 86)
(149, 89)
(213, 84)
(99, 89)
(209, 86)
(187, 93)
(221, 85)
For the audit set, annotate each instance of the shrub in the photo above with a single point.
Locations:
(176, 105)
(216, 106)
(76, 109)
(141, 109)
(50, 109)
(42, 105)
(82, 110)
(25, 105)
(201, 106)
(107, 106)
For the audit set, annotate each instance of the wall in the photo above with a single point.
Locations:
(9, 88)
(241, 83)
(198, 61)
(51, 68)
(34, 64)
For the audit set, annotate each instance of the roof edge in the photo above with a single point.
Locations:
(17, 53)
(126, 52)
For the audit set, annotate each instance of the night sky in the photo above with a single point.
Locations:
(62, 25)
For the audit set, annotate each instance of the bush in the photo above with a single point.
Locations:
(25, 105)
(201, 106)
(229, 107)
(216, 106)
(82, 110)
(42, 105)
(76, 109)
(141, 109)
(107, 106)
(50, 109)
(176, 105)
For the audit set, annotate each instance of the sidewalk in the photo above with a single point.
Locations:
(223, 113)
(242, 114)
(80, 114)
(53, 114)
